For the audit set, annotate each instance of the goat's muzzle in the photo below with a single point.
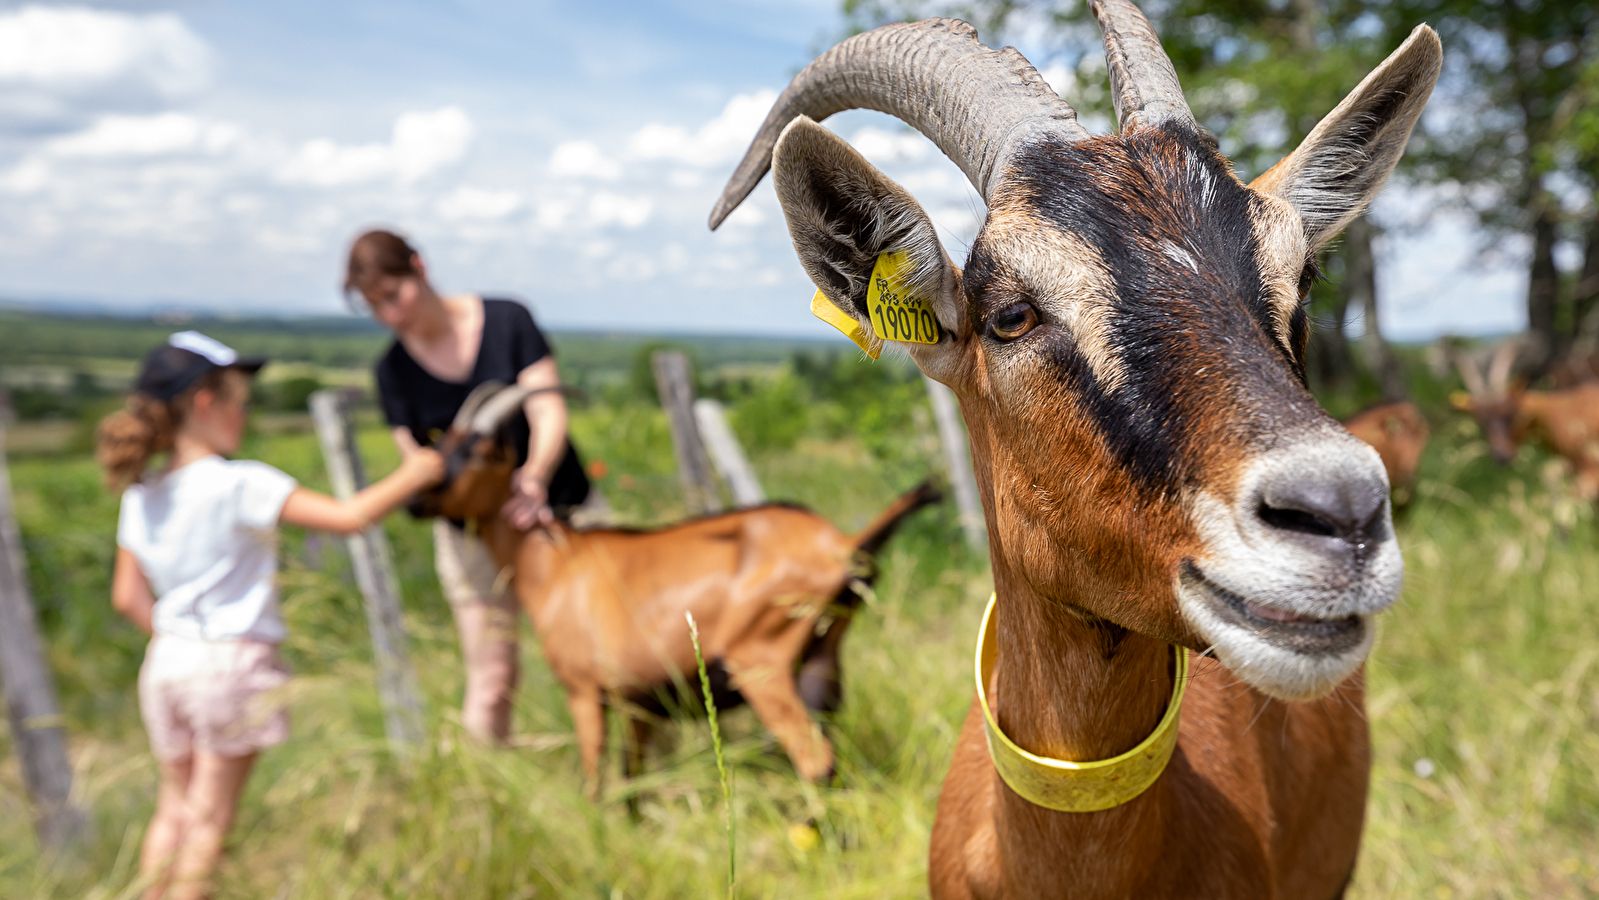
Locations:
(1295, 565)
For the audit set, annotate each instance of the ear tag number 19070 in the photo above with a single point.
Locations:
(896, 313)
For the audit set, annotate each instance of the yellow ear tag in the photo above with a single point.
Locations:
(823, 309)
(896, 313)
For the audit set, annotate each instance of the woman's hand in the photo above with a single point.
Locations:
(529, 503)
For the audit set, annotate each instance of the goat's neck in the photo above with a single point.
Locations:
(1066, 685)
(1069, 686)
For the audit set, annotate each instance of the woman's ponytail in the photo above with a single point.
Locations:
(127, 438)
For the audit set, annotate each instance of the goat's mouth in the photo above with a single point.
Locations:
(1286, 654)
(1284, 629)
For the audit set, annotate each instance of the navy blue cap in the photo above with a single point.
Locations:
(185, 358)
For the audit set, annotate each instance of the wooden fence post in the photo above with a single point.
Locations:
(31, 708)
(675, 384)
(374, 574)
(952, 433)
(727, 453)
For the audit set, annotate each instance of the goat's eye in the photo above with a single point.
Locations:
(1307, 278)
(1013, 321)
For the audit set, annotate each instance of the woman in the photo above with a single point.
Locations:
(443, 348)
(196, 569)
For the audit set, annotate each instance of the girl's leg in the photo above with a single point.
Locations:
(213, 798)
(167, 826)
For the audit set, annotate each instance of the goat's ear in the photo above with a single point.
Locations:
(843, 215)
(1342, 164)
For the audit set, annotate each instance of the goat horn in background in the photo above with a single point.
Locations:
(495, 410)
(1503, 362)
(479, 396)
(977, 104)
(1469, 372)
(1143, 83)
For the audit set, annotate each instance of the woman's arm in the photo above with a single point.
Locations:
(546, 414)
(130, 591)
(421, 468)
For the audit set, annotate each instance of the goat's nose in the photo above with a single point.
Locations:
(1343, 504)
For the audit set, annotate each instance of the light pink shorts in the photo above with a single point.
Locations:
(215, 697)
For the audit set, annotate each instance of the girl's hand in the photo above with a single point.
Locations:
(529, 503)
(426, 465)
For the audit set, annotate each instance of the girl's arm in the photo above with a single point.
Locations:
(546, 414)
(403, 440)
(130, 591)
(421, 468)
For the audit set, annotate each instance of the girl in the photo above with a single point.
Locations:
(195, 569)
(443, 348)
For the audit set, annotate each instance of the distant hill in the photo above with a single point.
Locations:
(31, 337)
(55, 363)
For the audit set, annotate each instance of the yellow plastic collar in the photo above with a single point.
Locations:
(1076, 786)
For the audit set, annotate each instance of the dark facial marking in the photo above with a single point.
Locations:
(1204, 357)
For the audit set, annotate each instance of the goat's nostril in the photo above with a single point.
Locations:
(1347, 508)
(1297, 520)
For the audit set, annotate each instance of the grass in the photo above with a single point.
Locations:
(722, 777)
(1483, 699)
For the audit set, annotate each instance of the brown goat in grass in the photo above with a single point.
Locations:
(771, 588)
(1398, 432)
(1127, 339)
(1567, 419)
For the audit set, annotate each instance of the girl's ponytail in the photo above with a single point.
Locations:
(127, 438)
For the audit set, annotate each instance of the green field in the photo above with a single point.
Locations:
(1488, 669)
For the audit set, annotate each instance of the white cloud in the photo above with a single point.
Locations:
(719, 141)
(882, 147)
(1061, 79)
(30, 175)
(422, 143)
(747, 215)
(606, 208)
(553, 214)
(59, 63)
(114, 136)
(467, 202)
(583, 159)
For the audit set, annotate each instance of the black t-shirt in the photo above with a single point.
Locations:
(414, 399)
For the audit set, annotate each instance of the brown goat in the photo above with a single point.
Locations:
(772, 589)
(1566, 420)
(1127, 340)
(1398, 432)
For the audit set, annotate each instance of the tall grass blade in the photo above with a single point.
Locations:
(716, 741)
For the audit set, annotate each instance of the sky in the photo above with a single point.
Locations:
(219, 156)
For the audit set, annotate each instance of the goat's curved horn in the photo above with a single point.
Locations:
(479, 396)
(1504, 360)
(504, 404)
(1143, 83)
(977, 104)
(1469, 372)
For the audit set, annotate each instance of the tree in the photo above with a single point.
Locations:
(1521, 139)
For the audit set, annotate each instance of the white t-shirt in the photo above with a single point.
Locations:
(206, 537)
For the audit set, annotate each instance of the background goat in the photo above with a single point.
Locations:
(772, 588)
(1127, 340)
(1398, 432)
(1566, 419)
